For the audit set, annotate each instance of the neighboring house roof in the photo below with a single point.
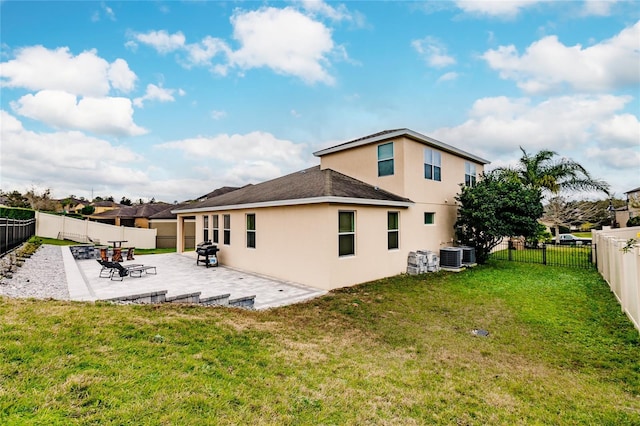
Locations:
(168, 213)
(216, 192)
(105, 203)
(633, 190)
(390, 134)
(307, 186)
(132, 212)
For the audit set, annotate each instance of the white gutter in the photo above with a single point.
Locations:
(298, 202)
(403, 132)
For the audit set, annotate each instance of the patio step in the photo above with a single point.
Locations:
(184, 298)
(220, 300)
(243, 302)
(152, 297)
(246, 302)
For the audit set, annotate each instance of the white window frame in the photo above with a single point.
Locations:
(384, 159)
(226, 219)
(470, 174)
(205, 227)
(395, 230)
(250, 231)
(347, 233)
(433, 160)
(215, 237)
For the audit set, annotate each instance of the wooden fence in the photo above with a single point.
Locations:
(619, 263)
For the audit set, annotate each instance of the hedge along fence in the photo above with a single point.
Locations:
(16, 227)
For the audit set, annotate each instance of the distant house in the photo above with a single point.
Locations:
(165, 222)
(632, 208)
(103, 206)
(71, 205)
(136, 216)
(352, 219)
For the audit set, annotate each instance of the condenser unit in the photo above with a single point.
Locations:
(451, 257)
(468, 255)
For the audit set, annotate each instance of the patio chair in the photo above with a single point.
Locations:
(107, 268)
(136, 271)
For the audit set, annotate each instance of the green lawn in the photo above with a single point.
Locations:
(398, 351)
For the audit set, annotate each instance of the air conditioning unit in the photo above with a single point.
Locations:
(451, 257)
(468, 255)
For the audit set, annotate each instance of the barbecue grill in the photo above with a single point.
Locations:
(207, 254)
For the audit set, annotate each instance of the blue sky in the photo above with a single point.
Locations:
(174, 99)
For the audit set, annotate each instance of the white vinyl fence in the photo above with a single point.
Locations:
(619, 264)
(54, 226)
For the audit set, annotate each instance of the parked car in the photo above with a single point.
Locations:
(570, 239)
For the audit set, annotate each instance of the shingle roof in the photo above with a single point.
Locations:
(390, 134)
(131, 212)
(216, 192)
(308, 184)
(633, 190)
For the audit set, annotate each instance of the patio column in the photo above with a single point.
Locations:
(180, 234)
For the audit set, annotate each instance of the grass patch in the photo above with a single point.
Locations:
(155, 251)
(54, 241)
(394, 351)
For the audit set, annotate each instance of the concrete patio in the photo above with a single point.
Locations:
(178, 275)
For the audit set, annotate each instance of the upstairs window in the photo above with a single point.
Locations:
(227, 228)
(393, 241)
(251, 230)
(469, 174)
(432, 164)
(206, 228)
(385, 159)
(346, 233)
(216, 228)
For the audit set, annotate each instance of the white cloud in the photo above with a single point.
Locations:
(243, 152)
(155, 93)
(64, 161)
(87, 74)
(622, 130)
(218, 115)
(497, 126)
(549, 65)
(433, 51)
(284, 40)
(616, 158)
(113, 116)
(497, 8)
(162, 41)
(598, 7)
(450, 76)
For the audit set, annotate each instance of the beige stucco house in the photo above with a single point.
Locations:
(630, 210)
(352, 219)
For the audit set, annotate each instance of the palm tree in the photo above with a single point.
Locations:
(542, 171)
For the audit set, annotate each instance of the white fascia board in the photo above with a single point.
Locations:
(404, 132)
(300, 201)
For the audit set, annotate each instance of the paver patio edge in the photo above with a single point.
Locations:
(78, 289)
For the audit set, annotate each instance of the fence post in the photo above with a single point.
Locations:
(510, 250)
(544, 254)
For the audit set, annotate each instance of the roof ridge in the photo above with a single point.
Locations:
(328, 182)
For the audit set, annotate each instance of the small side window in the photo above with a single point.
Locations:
(429, 218)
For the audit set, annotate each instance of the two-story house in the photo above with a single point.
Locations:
(354, 218)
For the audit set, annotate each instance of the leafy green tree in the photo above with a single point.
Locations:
(16, 199)
(543, 171)
(498, 206)
(88, 210)
(125, 201)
